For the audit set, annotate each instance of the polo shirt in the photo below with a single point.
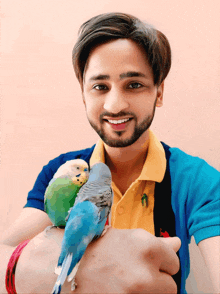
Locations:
(195, 194)
(127, 211)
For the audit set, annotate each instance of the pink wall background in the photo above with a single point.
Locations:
(42, 114)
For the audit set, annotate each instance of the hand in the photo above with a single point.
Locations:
(129, 261)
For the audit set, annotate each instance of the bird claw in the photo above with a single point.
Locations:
(72, 276)
(46, 231)
(105, 230)
(73, 285)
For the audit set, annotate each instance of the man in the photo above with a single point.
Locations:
(121, 65)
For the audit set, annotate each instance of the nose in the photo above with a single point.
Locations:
(115, 101)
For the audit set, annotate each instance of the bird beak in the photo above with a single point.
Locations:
(85, 176)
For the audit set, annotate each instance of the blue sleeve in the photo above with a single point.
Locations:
(203, 205)
(196, 186)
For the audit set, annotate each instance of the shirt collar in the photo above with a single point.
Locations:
(155, 164)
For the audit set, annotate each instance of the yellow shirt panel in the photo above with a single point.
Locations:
(128, 210)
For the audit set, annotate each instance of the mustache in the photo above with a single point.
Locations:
(116, 115)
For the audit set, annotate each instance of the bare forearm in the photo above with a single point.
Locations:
(111, 264)
(30, 223)
(35, 267)
(210, 252)
(35, 270)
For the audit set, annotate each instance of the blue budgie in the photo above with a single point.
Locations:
(86, 220)
(62, 190)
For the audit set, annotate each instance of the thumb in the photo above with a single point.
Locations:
(173, 242)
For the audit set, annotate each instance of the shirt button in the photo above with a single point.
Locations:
(121, 210)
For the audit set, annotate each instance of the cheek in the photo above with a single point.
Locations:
(93, 110)
(93, 104)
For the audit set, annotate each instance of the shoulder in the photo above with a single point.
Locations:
(182, 162)
(191, 173)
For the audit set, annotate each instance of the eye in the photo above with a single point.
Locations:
(135, 85)
(100, 87)
(77, 167)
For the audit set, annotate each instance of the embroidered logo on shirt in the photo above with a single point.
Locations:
(144, 200)
(164, 234)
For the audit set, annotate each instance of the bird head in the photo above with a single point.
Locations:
(100, 171)
(77, 170)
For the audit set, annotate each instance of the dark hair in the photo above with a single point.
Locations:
(111, 26)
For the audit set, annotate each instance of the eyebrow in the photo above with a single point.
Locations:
(131, 74)
(128, 74)
(99, 77)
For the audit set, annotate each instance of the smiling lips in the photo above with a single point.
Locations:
(116, 122)
(119, 124)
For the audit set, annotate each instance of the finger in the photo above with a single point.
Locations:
(169, 259)
(166, 284)
(174, 242)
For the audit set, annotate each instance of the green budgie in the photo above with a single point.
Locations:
(63, 188)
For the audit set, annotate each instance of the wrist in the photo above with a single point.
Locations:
(10, 272)
(36, 266)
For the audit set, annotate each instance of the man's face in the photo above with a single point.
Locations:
(119, 92)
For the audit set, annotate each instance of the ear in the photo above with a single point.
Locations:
(160, 89)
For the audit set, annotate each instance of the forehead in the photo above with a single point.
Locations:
(115, 58)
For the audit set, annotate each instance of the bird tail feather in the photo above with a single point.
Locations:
(62, 277)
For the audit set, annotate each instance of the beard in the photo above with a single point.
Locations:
(139, 129)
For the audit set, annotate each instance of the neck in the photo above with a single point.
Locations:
(127, 158)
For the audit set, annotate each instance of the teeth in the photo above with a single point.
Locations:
(116, 122)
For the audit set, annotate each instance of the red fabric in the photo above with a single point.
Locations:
(164, 234)
(10, 272)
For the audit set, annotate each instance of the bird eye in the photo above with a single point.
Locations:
(77, 167)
